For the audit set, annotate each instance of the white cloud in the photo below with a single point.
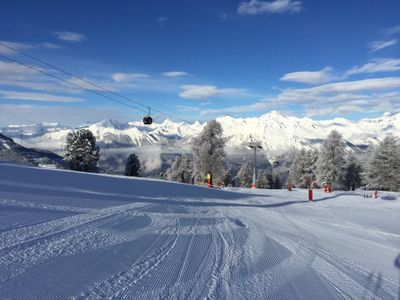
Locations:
(42, 97)
(127, 77)
(256, 7)
(162, 20)
(69, 36)
(345, 97)
(327, 74)
(40, 85)
(260, 106)
(11, 68)
(17, 46)
(381, 44)
(173, 74)
(392, 31)
(343, 87)
(24, 46)
(376, 65)
(339, 110)
(15, 75)
(311, 77)
(67, 115)
(387, 39)
(199, 92)
(51, 46)
(185, 108)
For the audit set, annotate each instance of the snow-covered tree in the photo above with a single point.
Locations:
(132, 167)
(243, 177)
(208, 151)
(264, 179)
(304, 161)
(181, 169)
(352, 173)
(311, 159)
(298, 168)
(382, 170)
(81, 151)
(330, 164)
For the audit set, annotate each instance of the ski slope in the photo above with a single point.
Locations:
(71, 235)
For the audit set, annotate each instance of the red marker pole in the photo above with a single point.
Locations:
(310, 195)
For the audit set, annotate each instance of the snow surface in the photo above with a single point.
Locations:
(66, 234)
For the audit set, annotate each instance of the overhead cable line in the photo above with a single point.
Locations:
(69, 82)
(89, 82)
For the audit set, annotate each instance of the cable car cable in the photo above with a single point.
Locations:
(69, 82)
(87, 81)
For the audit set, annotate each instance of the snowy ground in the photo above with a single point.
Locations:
(72, 235)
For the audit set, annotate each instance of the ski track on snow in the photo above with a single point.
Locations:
(193, 249)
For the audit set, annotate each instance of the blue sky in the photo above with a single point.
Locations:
(201, 59)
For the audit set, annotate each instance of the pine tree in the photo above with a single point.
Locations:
(303, 162)
(208, 151)
(298, 168)
(383, 167)
(227, 179)
(311, 160)
(276, 181)
(181, 169)
(264, 179)
(270, 180)
(81, 151)
(352, 173)
(132, 167)
(243, 177)
(330, 164)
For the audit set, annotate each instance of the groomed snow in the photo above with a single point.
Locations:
(72, 235)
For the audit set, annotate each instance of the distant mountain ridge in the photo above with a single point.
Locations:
(275, 132)
(13, 152)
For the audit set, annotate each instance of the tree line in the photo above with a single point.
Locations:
(378, 168)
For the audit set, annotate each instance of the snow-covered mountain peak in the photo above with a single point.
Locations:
(275, 131)
(168, 122)
(110, 123)
(273, 114)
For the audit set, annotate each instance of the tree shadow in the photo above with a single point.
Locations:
(397, 265)
(336, 196)
(368, 286)
(389, 197)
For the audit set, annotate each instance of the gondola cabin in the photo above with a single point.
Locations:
(147, 120)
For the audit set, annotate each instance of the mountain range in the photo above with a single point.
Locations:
(273, 130)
